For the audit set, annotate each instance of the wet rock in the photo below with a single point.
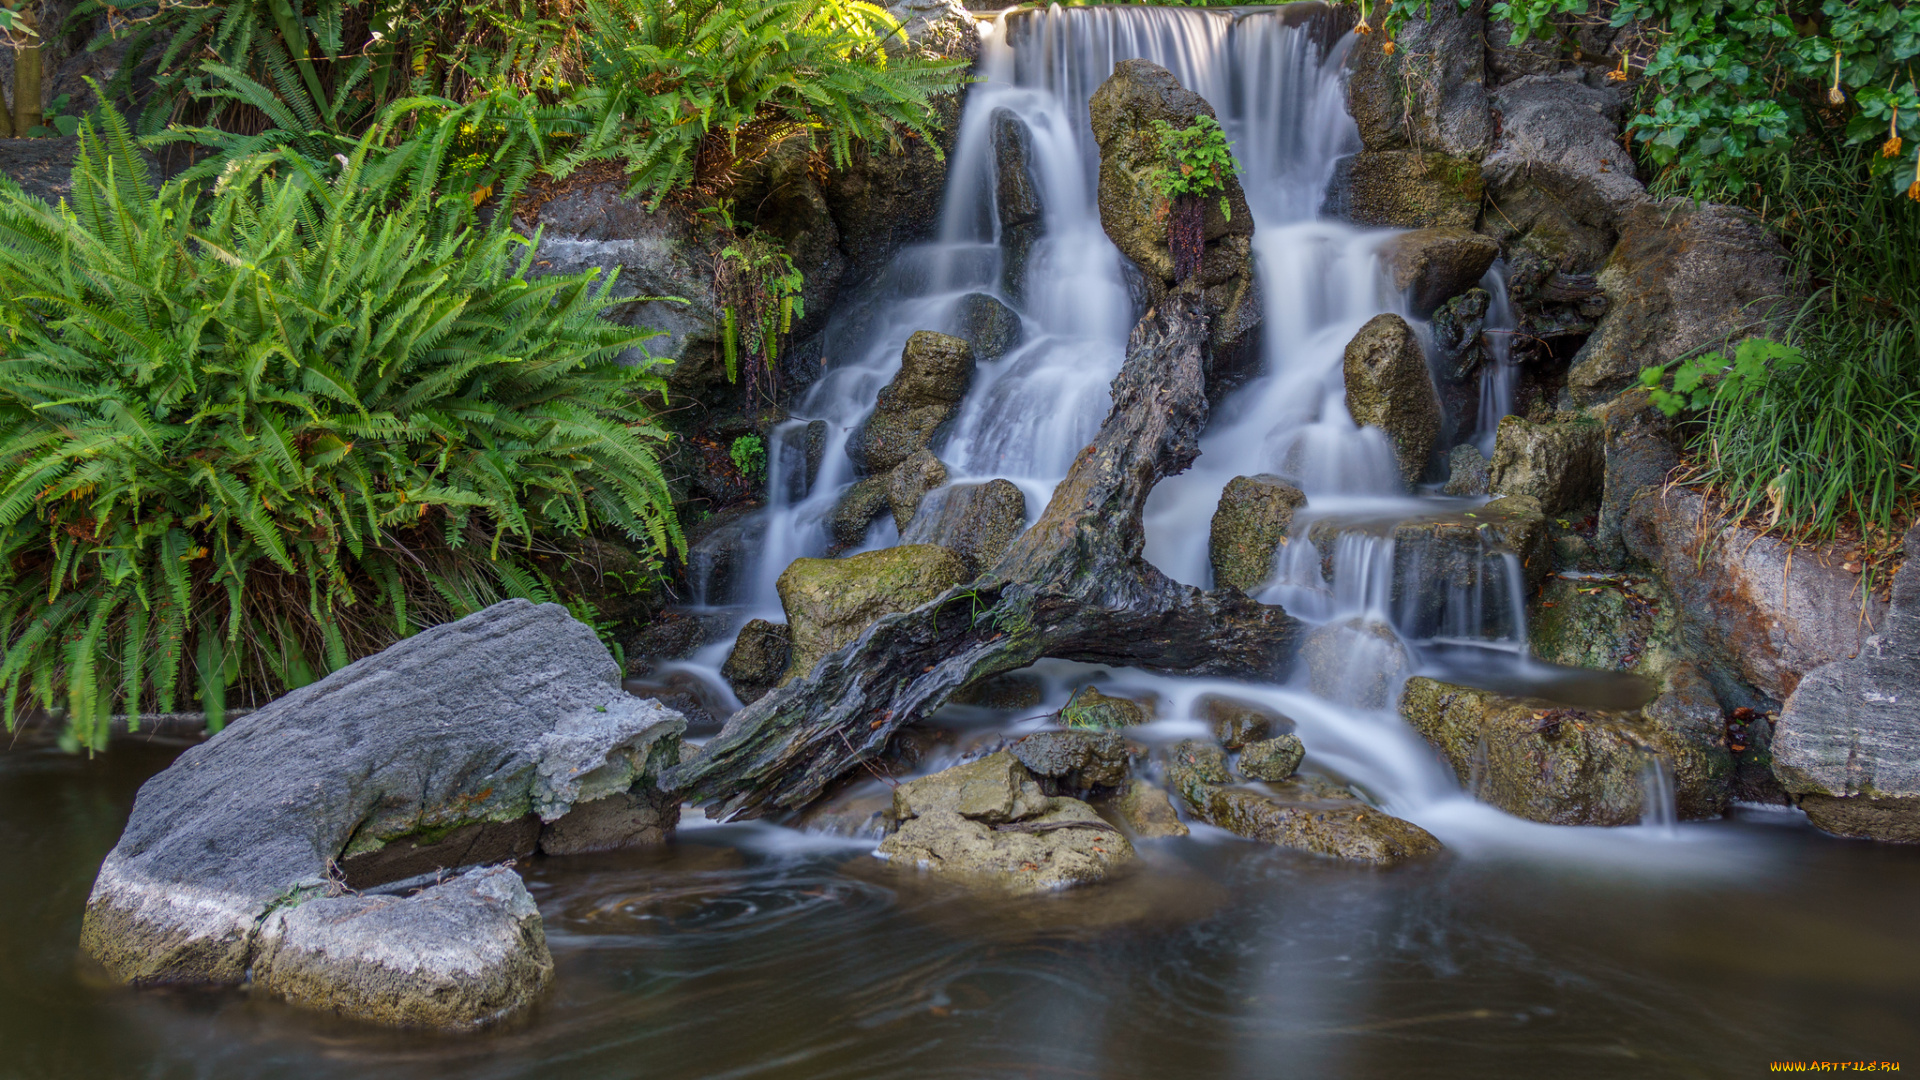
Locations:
(513, 712)
(859, 507)
(1388, 387)
(760, 655)
(1754, 618)
(1684, 277)
(1434, 265)
(1075, 760)
(830, 602)
(1560, 765)
(1405, 189)
(977, 522)
(1558, 175)
(1689, 730)
(1459, 353)
(1639, 451)
(674, 633)
(1272, 759)
(458, 955)
(1307, 813)
(991, 327)
(909, 482)
(988, 823)
(1091, 710)
(861, 812)
(1847, 745)
(914, 409)
(1135, 217)
(1612, 622)
(1249, 527)
(1468, 471)
(1145, 809)
(1429, 93)
(1356, 662)
(720, 551)
(1016, 198)
(1236, 723)
(1560, 463)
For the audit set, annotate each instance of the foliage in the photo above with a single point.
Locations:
(702, 86)
(1822, 431)
(239, 448)
(1199, 161)
(1729, 84)
(759, 292)
(749, 454)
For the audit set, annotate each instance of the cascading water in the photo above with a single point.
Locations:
(1275, 81)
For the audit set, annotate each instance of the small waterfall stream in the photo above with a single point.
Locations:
(1275, 81)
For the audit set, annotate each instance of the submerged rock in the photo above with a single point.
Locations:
(989, 824)
(1091, 710)
(977, 522)
(1558, 175)
(457, 955)
(830, 602)
(1684, 277)
(1847, 745)
(1560, 463)
(914, 409)
(1236, 723)
(1145, 809)
(1272, 759)
(1308, 813)
(1557, 765)
(1356, 662)
(1405, 189)
(1249, 527)
(760, 655)
(1434, 265)
(1388, 388)
(510, 716)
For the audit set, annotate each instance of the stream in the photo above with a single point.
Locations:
(757, 950)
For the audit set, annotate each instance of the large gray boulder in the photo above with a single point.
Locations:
(1558, 182)
(1847, 745)
(504, 722)
(457, 955)
(1388, 387)
(1684, 277)
(1756, 619)
(1429, 93)
(914, 409)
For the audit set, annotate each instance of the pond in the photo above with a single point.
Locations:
(753, 951)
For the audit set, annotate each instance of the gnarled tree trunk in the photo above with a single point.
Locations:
(1073, 586)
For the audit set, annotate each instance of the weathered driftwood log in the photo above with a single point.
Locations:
(1073, 586)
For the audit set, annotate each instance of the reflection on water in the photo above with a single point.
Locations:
(739, 953)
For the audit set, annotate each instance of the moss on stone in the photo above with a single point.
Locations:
(830, 602)
(1249, 527)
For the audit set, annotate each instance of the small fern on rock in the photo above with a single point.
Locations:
(243, 444)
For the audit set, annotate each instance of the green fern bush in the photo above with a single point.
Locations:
(244, 444)
(697, 87)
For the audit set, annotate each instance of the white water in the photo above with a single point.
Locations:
(1281, 102)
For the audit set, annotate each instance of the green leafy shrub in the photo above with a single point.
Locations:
(759, 290)
(749, 454)
(701, 86)
(1199, 161)
(241, 447)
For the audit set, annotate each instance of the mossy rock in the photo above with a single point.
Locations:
(1406, 189)
(1091, 710)
(831, 602)
(1561, 462)
(1388, 387)
(1236, 723)
(1249, 527)
(1272, 759)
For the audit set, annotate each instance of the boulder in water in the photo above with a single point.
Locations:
(1091, 710)
(1236, 723)
(456, 955)
(507, 719)
(1307, 813)
(988, 823)
(991, 327)
(1561, 181)
(1272, 759)
(1560, 463)
(858, 508)
(829, 602)
(909, 482)
(1249, 527)
(1434, 265)
(1356, 662)
(1468, 472)
(913, 409)
(1847, 745)
(1145, 809)
(977, 522)
(1684, 277)
(1405, 189)
(1075, 761)
(1388, 387)
(1016, 198)
(761, 652)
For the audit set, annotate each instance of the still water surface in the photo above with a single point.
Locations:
(746, 951)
